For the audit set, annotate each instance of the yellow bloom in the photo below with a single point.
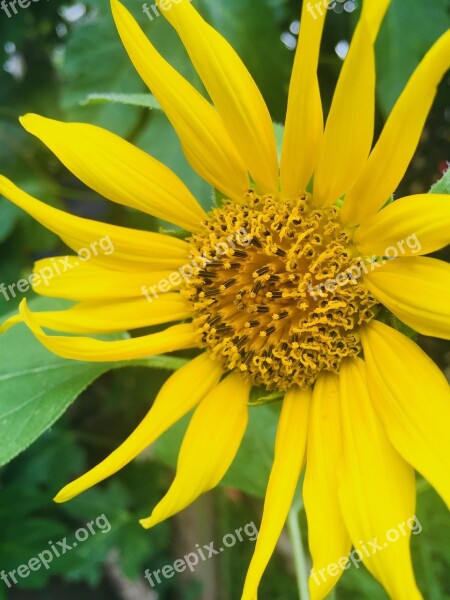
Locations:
(272, 302)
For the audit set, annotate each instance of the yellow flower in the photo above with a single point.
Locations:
(271, 302)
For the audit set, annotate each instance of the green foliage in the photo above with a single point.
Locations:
(28, 520)
(443, 185)
(106, 68)
(37, 387)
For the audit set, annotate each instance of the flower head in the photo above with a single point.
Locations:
(281, 286)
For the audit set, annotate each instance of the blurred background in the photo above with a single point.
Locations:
(54, 54)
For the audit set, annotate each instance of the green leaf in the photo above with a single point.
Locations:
(144, 100)
(443, 185)
(36, 386)
(17, 535)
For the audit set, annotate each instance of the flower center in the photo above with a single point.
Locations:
(274, 292)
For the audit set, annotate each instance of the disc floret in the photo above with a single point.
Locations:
(256, 307)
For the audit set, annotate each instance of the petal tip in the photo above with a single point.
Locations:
(146, 523)
(14, 320)
(28, 120)
(116, 5)
(61, 497)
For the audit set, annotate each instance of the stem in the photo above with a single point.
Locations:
(301, 569)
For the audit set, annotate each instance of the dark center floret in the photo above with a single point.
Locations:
(274, 294)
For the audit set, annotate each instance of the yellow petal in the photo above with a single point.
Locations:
(373, 12)
(118, 170)
(377, 489)
(203, 136)
(412, 399)
(113, 316)
(181, 392)
(350, 125)
(414, 225)
(119, 247)
(66, 277)
(209, 446)
(178, 337)
(289, 458)
(398, 141)
(304, 118)
(415, 289)
(232, 90)
(329, 542)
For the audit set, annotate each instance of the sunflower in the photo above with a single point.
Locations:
(266, 284)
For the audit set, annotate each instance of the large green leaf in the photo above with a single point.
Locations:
(36, 387)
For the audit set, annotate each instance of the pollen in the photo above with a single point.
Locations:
(262, 294)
